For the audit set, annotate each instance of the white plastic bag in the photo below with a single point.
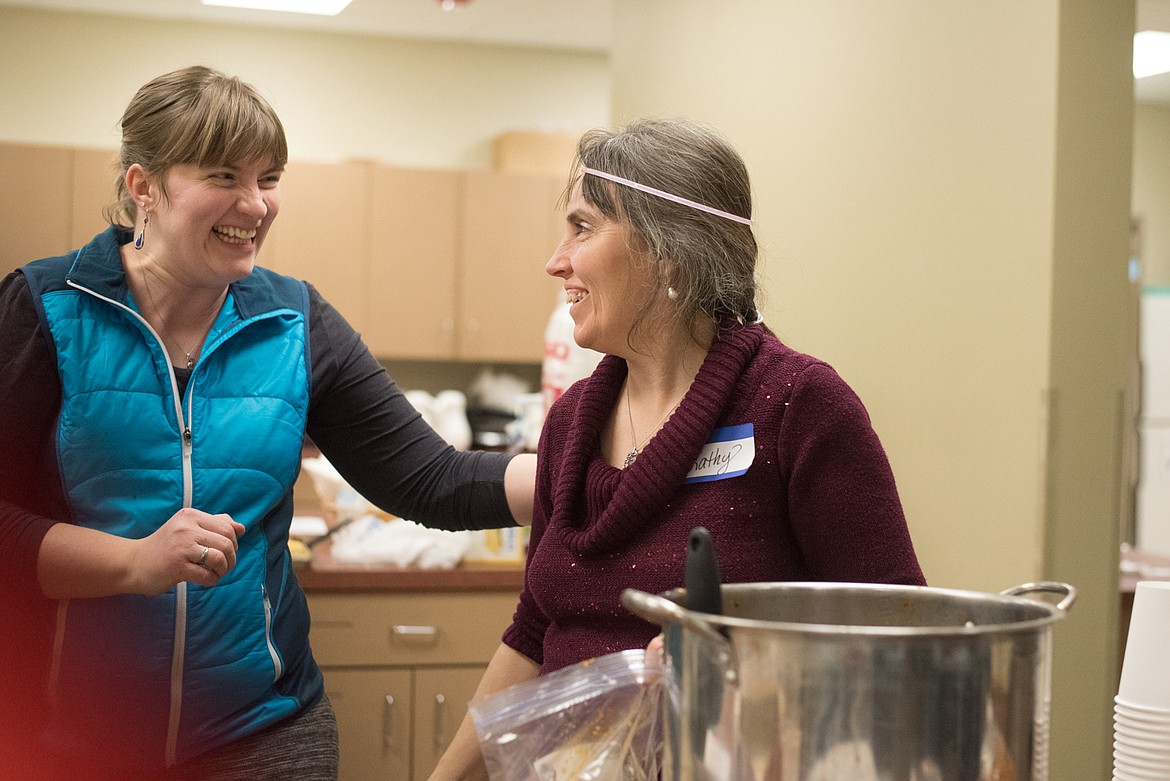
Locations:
(565, 361)
(598, 720)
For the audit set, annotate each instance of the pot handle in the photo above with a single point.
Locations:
(1067, 592)
(662, 611)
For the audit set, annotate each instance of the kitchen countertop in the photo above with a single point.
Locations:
(325, 574)
(1139, 565)
(322, 573)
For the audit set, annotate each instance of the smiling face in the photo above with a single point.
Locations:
(605, 280)
(211, 221)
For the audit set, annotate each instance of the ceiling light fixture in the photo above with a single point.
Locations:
(318, 7)
(1151, 53)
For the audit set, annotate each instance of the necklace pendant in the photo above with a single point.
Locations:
(631, 457)
(190, 361)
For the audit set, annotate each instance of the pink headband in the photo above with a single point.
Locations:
(670, 197)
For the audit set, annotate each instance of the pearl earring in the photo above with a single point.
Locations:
(672, 294)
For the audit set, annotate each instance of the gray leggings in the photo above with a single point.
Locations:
(302, 748)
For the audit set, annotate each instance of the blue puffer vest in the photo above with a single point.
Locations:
(159, 679)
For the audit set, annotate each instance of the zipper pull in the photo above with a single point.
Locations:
(187, 435)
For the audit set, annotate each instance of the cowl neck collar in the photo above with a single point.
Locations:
(643, 489)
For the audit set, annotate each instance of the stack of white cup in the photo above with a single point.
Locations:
(1141, 711)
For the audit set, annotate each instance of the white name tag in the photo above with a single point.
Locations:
(729, 454)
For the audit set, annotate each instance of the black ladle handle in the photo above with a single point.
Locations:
(701, 576)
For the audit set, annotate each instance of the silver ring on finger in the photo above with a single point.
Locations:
(202, 556)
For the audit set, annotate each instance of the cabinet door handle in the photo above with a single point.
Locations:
(407, 632)
(388, 723)
(440, 702)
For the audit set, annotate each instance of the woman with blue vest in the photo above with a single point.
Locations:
(155, 390)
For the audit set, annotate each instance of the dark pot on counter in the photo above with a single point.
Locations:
(818, 681)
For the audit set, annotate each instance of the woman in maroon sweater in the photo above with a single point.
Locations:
(697, 416)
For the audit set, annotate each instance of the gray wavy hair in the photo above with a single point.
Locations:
(708, 260)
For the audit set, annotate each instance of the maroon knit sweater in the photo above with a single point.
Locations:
(818, 502)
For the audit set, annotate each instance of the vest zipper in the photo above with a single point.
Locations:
(276, 664)
(178, 660)
(178, 657)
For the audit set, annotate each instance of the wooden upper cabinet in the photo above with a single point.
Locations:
(413, 263)
(426, 264)
(35, 187)
(457, 264)
(510, 228)
(320, 234)
(51, 199)
(95, 177)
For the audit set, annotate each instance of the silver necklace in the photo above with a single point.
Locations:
(633, 454)
(189, 355)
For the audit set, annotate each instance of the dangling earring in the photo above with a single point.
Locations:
(142, 233)
(672, 294)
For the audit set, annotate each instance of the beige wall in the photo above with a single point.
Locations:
(1091, 367)
(943, 192)
(1151, 190)
(903, 204)
(67, 78)
(903, 177)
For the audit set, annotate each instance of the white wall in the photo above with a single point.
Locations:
(67, 78)
(1151, 190)
(1151, 207)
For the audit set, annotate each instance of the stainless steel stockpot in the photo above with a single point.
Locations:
(818, 681)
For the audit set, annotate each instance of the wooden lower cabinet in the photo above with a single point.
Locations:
(400, 669)
(393, 721)
(440, 703)
(374, 723)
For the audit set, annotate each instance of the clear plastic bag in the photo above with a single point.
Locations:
(597, 720)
